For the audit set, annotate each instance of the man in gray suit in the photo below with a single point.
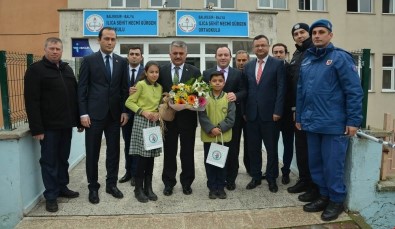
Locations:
(183, 126)
(234, 87)
(102, 92)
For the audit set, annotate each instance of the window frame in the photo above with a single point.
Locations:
(314, 10)
(359, 7)
(123, 5)
(219, 2)
(272, 5)
(392, 69)
(389, 7)
(163, 3)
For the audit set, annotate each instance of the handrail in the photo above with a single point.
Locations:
(360, 133)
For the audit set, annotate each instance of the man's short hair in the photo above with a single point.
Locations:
(135, 47)
(242, 52)
(180, 44)
(230, 52)
(52, 40)
(260, 37)
(107, 28)
(282, 45)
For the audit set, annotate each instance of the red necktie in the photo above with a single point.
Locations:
(259, 73)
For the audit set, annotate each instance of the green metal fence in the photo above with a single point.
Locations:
(12, 70)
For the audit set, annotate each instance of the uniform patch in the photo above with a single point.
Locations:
(355, 68)
(329, 62)
(224, 110)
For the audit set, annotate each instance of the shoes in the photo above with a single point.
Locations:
(253, 183)
(263, 176)
(139, 191)
(67, 193)
(132, 181)
(273, 186)
(148, 188)
(231, 186)
(187, 190)
(309, 196)
(115, 192)
(332, 211)
(221, 193)
(94, 197)
(285, 179)
(168, 191)
(125, 178)
(212, 194)
(318, 205)
(300, 186)
(51, 205)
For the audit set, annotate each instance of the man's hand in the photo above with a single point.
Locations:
(276, 117)
(231, 97)
(39, 137)
(132, 90)
(124, 118)
(298, 126)
(351, 130)
(85, 121)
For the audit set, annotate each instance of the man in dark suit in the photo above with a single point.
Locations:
(236, 91)
(264, 107)
(135, 69)
(102, 92)
(242, 57)
(183, 126)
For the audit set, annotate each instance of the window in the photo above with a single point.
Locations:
(312, 5)
(222, 4)
(359, 6)
(388, 73)
(388, 6)
(272, 4)
(165, 3)
(125, 3)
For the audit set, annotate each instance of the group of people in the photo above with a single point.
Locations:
(315, 99)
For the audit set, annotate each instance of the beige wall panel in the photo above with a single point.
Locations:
(25, 31)
(88, 4)
(70, 27)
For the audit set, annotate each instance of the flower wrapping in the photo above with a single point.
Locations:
(191, 95)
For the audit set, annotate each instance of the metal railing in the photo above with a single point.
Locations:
(12, 70)
(360, 133)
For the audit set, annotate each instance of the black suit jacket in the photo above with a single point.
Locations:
(267, 97)
(185, 117)
(234, 83)
(96, 95)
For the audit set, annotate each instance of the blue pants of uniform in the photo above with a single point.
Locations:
(216, 176)
(55, 152)
(327, 154)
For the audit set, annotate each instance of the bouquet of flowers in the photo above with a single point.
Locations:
(191, 95)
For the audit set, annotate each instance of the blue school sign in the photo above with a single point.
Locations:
(212, 23)
(125, 22)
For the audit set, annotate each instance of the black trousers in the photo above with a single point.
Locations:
(55, 152)
(232, 161)
(130, 160)
(268, 132)
(186, 133)
(302, 158)
(93, 137)
(145, 166)
(287, 129)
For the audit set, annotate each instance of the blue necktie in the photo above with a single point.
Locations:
(108, 67)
